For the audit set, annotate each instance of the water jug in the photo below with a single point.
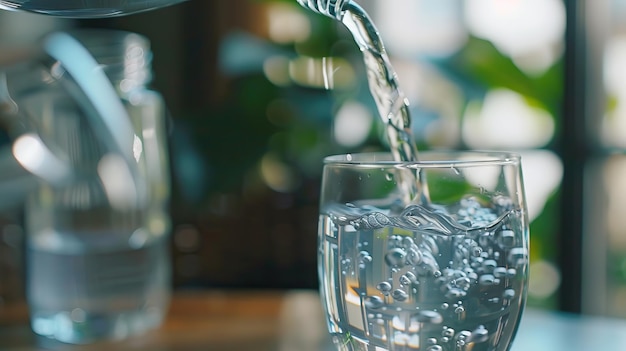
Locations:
(85, 8)
(90, 131)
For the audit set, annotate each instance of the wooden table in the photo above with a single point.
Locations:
(213, 320)
(293, 321)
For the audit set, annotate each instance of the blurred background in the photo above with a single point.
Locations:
(252, 116)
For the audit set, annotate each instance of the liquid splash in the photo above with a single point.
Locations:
(426, 219)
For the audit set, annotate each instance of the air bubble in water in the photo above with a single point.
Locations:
(455, 294)
(399, 295)
(518, 256)
(384, 287)
(374, 302)
(499, 272)
(508, 294)
(395, 241)
(489, 265)
(506, 238)
(503, 203)
(407, 241)
(485, 239)
(487, 280)
(462, 282)
(481, 334)
(447, 332)
(473, 276)
(494, 300)
(395, 257)
(428, 265)
(411, 276)
(405, 280)
(476, 263)
(435, 348)
(463, 336)
(431, 317)
(431, 245)
(414, 257)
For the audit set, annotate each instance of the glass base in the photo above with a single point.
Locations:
(80, 327)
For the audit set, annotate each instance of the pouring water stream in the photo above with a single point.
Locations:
(391, 102)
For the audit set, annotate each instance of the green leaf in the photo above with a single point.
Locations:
(480, 62)
(447, 190)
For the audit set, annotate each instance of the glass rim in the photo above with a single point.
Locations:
(433, 159)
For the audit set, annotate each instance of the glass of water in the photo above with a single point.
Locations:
(429, 255)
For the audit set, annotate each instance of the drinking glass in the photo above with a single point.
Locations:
(429, 255)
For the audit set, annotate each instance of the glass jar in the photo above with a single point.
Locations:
(85, 8)
(98, 264)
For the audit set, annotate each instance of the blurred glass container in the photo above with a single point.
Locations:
(85, 8)
(98, 264)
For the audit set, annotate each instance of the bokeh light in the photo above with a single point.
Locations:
(287, 24)
(277, 174)
(421, 27)
(324, 72)
(352, 124)
(613, 127)
(543, 172)
(546, 279)
(529, 30)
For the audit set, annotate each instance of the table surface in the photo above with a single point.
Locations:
(293, 321)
